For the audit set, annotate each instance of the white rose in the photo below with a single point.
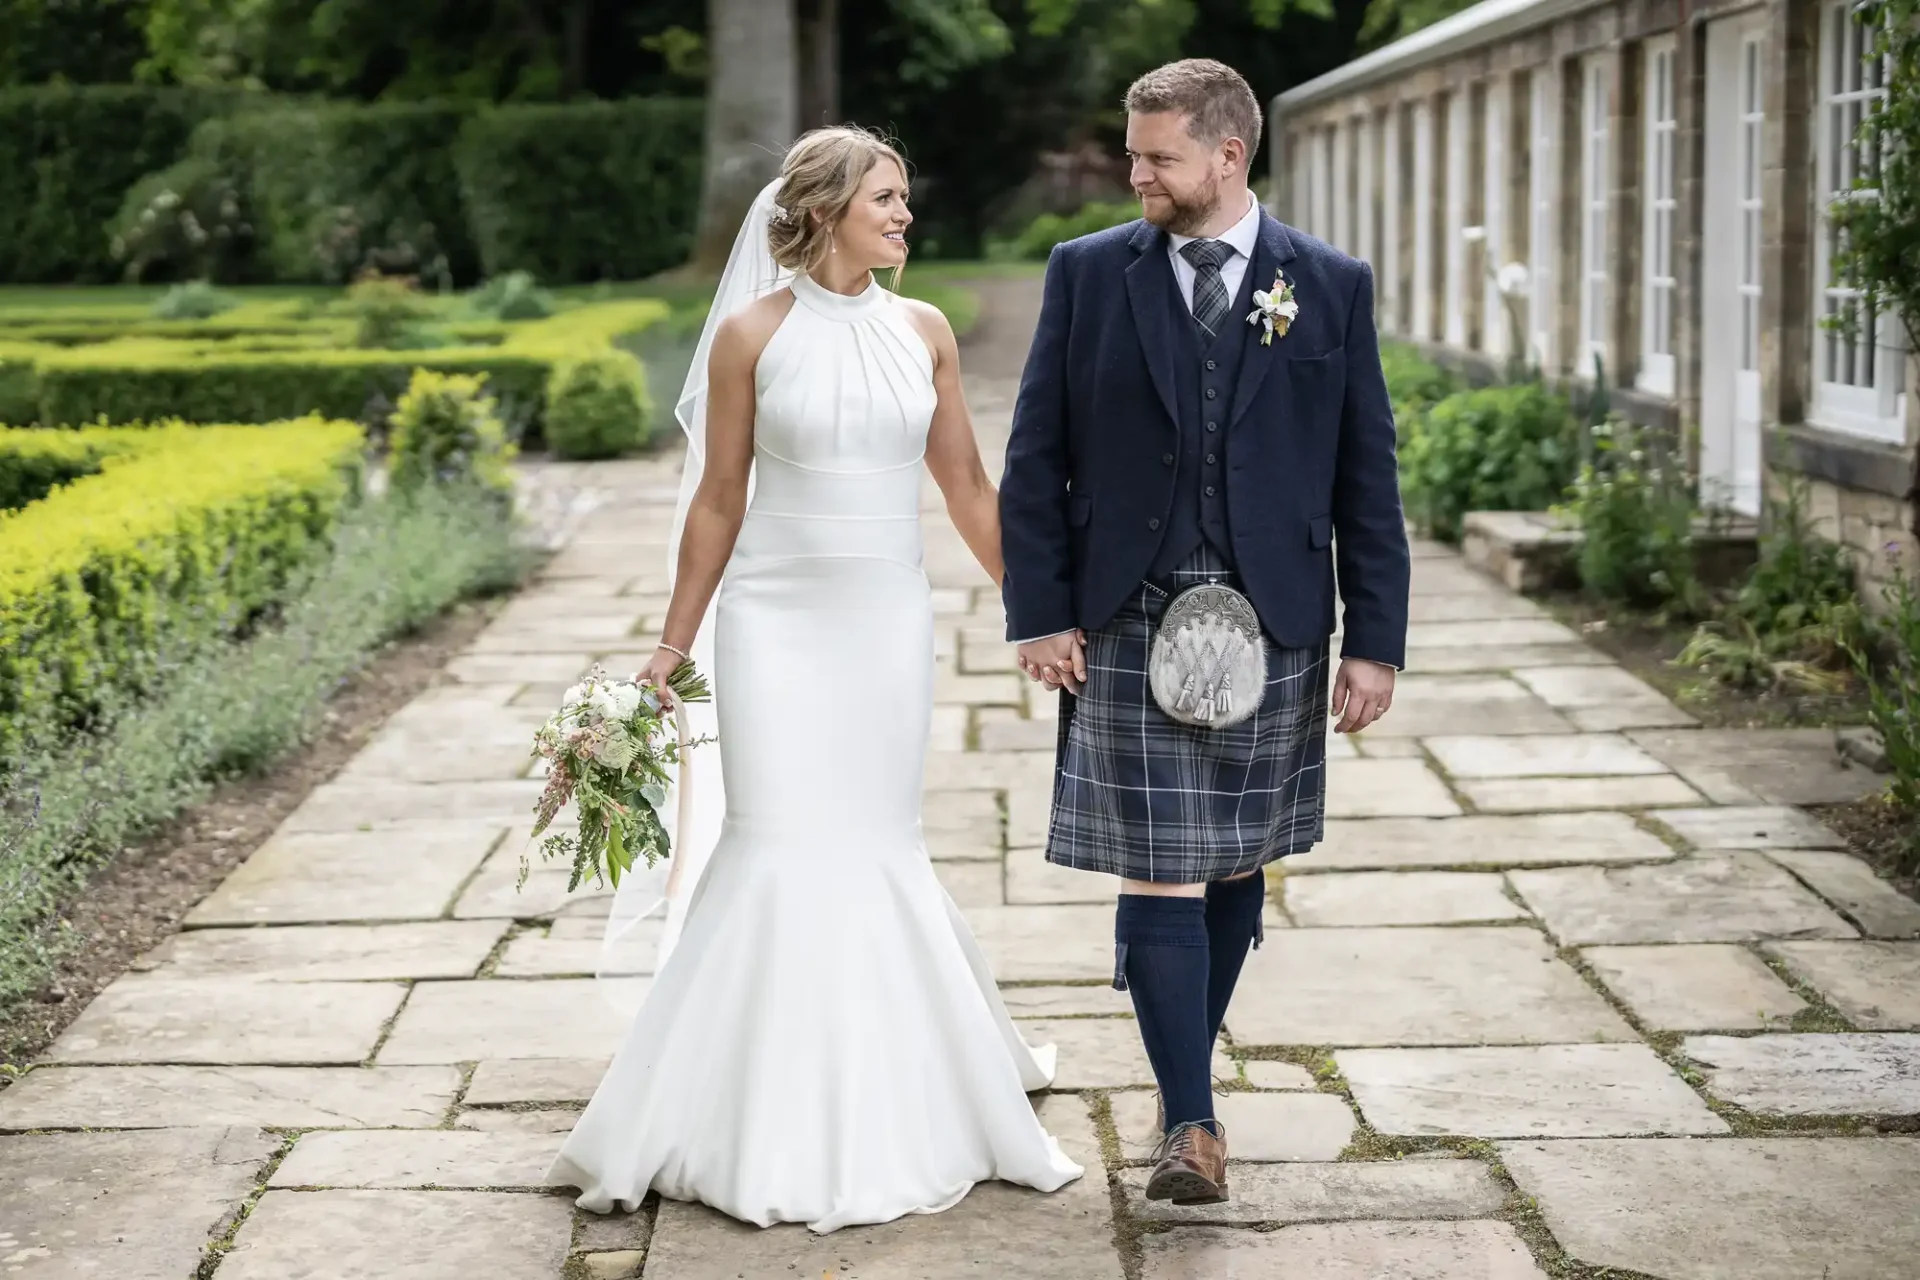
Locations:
(601, 703)
(573, 695)
(625, 698)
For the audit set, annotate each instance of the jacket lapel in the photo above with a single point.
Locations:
(1150, 292)
(1270, 255)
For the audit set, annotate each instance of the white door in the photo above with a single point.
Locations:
(1730, 427)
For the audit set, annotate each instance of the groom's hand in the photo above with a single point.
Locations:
(1057, 660)
(1362, 692)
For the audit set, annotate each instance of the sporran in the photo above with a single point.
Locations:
(1208, 663)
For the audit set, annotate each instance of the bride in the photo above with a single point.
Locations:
(825, 1044)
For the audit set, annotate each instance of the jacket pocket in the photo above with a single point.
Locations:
(1320, 531)
(1079, 510)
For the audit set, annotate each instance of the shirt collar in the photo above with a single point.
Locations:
(1240, 237)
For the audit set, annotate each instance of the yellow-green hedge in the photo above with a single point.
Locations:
(180, 527)
(267, 377)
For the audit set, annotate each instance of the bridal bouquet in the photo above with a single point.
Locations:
(607, 750)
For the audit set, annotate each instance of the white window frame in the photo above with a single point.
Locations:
(1596, 110)
(1493, 202)
(1454, 256)
(1365, 139)
(1423, 325)
(1865, 401)
(1753, 140)
(1543, 123)
(1660, 212)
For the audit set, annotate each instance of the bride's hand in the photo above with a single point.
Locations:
(658, 671)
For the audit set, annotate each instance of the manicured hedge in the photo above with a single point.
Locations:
(593, 191)
(269, 378)
(181, 531)
(68, 154)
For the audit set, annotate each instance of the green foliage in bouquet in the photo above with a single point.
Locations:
(608, 751)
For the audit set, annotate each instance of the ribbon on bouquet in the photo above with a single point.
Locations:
(683, 789)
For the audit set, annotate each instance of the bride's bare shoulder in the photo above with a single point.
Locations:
(748, 330)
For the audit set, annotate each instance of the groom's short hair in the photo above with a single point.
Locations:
(1217, 100)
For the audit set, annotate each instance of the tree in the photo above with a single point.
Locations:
(753, 107)
(82, 41)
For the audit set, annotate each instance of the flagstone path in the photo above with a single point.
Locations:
(1569, 986)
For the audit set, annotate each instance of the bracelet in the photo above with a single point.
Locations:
(675, 649)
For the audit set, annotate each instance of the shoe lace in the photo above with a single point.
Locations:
(1181, 1140)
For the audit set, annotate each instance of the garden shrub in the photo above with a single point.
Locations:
(446, 429)
(184, 222)
(1633, 503)
(597, 407)
(68, 154)
(1510, 448)
(194, 300)
(191, 525)
(1037, 240)
(1889, 665)
(35, 463)
(584, 191)
(229, 708)
(513, 296)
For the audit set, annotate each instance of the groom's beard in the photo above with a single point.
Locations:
(1185, 217)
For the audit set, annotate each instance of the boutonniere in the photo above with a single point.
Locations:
(1274, 308)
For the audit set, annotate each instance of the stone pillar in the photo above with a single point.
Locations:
(1789, 222)
(1626, 164)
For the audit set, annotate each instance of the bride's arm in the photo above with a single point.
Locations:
(953, 454)
(720, 502)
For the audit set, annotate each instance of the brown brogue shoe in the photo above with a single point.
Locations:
(1190, 1166)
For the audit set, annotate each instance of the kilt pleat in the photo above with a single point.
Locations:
(1141, 796)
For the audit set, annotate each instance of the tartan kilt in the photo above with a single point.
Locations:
(1141, 796)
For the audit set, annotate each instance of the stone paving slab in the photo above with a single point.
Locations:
(263, 1097)
(1438, 660)
(395, 874)
(1695, 987)
(1547, 795)
(320, 953)
(998, 1230)
(1850, 884)
(1749, 827)
(520, 668)
(1386, 789)
(367, 806)
(1762, 766)
(1032, 880)
(532, 956)
(496, 1018)
(1775, 1208)
(1729, 897)
(410, 760)
(1261, 1127)
(1476, 607)
(142, 1018)
(1046, 944)
(1429, 704)
(559, 1120)
(401, 1235)
(1088, 1000)
(1275, 1075)
(1539, 1091)
(1101, 1053)
(131, 1206)
(971, 884)
(496, 891)
(390, 1159)
(1867, 1073)
(1343, 1251)
(1397, 898)
(1875, 984)
(1482, 840)
(1543, 755)
(1415, 986)
(1493, 634)
(504, 1081)
(1403, 1189)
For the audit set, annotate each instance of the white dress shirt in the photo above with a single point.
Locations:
(1241, 238)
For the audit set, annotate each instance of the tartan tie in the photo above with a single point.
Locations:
(1210, 300)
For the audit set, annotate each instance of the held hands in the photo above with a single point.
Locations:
(1362, 692)
(1057, 661)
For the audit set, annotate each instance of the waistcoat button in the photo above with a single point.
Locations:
(1213, 426)
(1210, 459)
(1211, 366)
(1212, 394)
(1209, 491)
(1167, 458)
(1154, 523)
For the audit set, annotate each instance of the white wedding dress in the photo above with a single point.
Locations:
(825, 1043)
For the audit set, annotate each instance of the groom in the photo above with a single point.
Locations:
(1161, 440)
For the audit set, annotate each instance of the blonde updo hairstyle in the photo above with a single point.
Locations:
(819, 178)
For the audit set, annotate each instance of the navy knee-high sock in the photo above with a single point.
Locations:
(1233, 922)
(1161, 945)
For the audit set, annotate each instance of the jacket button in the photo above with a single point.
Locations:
(1209, 491)
(1212, 394)
(1213, 426)
(1211, 366)
(1167, 458)
(1154, 523)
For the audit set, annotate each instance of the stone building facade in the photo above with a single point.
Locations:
(1661, 169)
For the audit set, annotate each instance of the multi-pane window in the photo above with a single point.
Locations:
(1595, 107)
(1752, 120)
(1860, 369)
(1656, 356)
